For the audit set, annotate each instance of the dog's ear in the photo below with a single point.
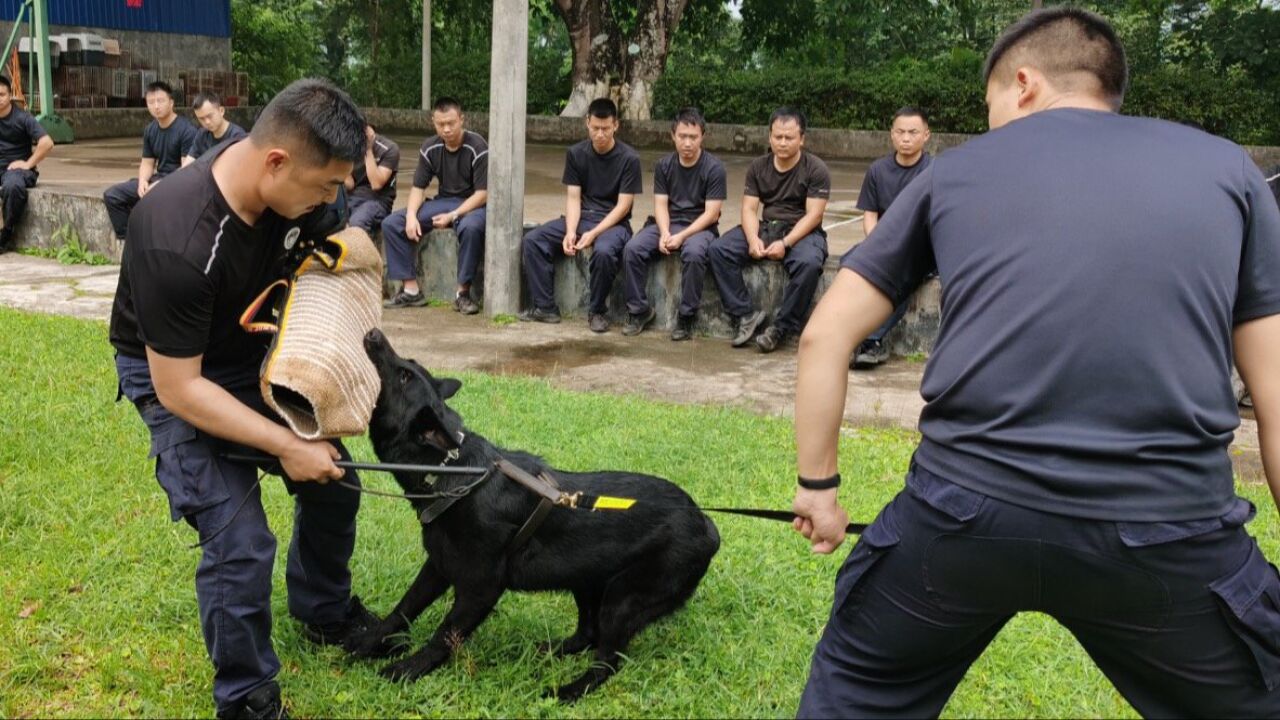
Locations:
(448, 387)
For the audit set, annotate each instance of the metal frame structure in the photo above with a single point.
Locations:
(38, 45)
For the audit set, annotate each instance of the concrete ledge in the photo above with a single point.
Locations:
(48, 210)
(437, 261)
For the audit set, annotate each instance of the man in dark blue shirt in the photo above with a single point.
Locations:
(603, 178)
(884, 180)
(166, 146)
(688, 192)
(1098, 270)
(215, 127)
(23, 144)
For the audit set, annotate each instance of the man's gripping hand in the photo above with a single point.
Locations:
(820, 518)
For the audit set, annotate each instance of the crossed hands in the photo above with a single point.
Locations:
(669, 243)
(775, 250)
(820, 519)
(573, 242)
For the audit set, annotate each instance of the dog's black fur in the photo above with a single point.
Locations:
(625, 569)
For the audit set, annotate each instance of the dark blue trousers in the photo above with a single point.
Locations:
(803, 263)
(13, 192)
(233, 578)
(543, 244)
(1183, 618)
(889, 324)
(367, 213)
(120, 199)
(643, 249)
(400, 249)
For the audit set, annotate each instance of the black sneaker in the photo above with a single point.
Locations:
(870, 354)
(771, 339)
(539, 315)
(683, 329)
(260, 704)
(404, 299)
(463, 303)
(357, 620)
(6, 241)
(637, 323)
(598, 323)
(747, 326)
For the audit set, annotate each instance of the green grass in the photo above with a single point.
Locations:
(89, 555)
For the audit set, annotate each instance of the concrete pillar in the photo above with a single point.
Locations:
(507, 99)
(426, 54)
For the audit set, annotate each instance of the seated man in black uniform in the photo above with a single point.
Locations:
(166, 146)
(23, 144)
(371, 186)
(793, 186)
(216, 128)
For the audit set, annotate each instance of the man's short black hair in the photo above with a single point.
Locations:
(786, 112)
(602, 108)
(5, 81)
(1063, 43)
(445, 104)
(318, 120)
(206, 97)
(911, 111)
(159, 86)
(689, 116)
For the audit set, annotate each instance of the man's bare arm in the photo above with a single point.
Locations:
(870, 219)
(1257, 345)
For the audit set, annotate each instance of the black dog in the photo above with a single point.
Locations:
(625, 568)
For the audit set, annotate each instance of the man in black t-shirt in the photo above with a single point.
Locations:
(1099, 270)
(202, 245)
(23, 144)
(459, 160)
(166, 146)
(793, 186)
(603, 177)
(216, 128)
(371, 186)
(688, 192)
(884, 180)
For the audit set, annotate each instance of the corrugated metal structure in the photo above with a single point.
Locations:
(184, 17)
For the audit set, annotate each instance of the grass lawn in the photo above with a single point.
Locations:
(97, 605)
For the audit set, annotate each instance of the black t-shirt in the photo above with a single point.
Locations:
(885, 179)
(19, 132)
(783, 194)
(191, 266)
(603, 177)
(205, 141)
(1093, 266)
(689, 188)
(167, 146)
(461, 172)
(386, 154)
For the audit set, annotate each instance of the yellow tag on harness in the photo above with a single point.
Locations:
(604, 502)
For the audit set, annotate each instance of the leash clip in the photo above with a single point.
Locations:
(569, 500)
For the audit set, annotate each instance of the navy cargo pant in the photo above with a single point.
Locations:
(400, 249)
(367, 213)
(120, 200)
(1183, 618)
(803, 263)
(544, 243)
(233, 578)
(643, 249)
(13, 192)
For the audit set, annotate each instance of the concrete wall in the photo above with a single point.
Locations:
(149, 49)
(130, 122)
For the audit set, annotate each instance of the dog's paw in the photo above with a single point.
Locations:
(568, 694)
(563, 648)
(410, 668)
(375, 643)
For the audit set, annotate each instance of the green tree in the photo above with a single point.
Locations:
(275, 42)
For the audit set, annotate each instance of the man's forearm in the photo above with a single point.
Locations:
(478, 199)
(750, 221)
(217, 412)
(145, 169)
(709, 217)
(811, 221)
(41, 151)
(614, 217)
(416, 196)
(1269, 447)
(662, 215)
(572, 215)
(869, 222)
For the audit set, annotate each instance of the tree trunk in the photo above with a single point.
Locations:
(593, 36)
(655, 24)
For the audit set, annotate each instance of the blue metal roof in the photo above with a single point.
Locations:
(186, 17)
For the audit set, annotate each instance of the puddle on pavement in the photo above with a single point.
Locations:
(545, 360)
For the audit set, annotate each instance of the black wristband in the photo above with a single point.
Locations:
(823, 484)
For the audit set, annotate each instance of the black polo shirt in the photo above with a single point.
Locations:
(784, 194)
(689, 188)
(19, 133)
(191, 266)
(205, 141)
(386, 154)
(885, 179)
(461, 172)
(167, 146)
(1093, 266)
(603, 177)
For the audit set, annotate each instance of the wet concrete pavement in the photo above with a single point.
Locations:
(700, 371)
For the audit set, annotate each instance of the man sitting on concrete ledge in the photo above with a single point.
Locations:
(603, 179)
(793, 186)
(688, 192)
(23, 144)
(371, 186)
(459, 158)
(166, 146)
(217, 129)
